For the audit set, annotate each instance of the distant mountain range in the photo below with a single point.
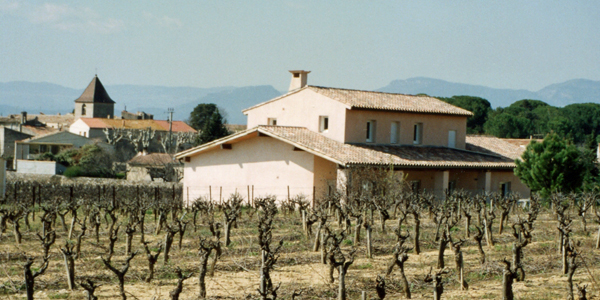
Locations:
(560, 94)
(35, 97)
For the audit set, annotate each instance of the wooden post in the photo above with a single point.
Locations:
(248, 195)
(252, 195)
(210, 193)
(33, 196)
(220, 194)
(288, 193)
(313, 198)
(114, 197)
(363, 295)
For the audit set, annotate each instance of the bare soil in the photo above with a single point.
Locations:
(298, 268)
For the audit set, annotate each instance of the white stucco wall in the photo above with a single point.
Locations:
(39, 167)
(266, 164)
(302, 109)
(79, 127)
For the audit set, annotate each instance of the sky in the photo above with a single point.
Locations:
(346, 44)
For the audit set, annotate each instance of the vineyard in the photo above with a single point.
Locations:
(115, 241)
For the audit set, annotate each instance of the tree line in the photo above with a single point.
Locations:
(579, 122)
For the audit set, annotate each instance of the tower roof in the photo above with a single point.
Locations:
(94, 93)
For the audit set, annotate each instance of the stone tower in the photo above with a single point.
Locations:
(94, 102)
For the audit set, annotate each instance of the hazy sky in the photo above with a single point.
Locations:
(351, 44)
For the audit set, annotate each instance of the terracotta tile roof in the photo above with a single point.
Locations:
(159, 125)
(389, 101)
(152, 159)
(94, 93)
(58, 119)
(178, 126)
(354, 154)
(523, 143)
(493, 145)
(234, 128)
(38, 130)
(358, 99)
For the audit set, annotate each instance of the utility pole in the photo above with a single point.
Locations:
(170, 111)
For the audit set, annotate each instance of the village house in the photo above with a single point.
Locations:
(306, 141)
(26, 151)
(154, 167)
(94, 113)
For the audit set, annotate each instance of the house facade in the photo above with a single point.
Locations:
(308, 141)
(94, 127)
(26, 151)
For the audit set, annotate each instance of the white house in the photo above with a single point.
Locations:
(306, 141)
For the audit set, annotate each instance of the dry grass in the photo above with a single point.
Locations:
(298, 268)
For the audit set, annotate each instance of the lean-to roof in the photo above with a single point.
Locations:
(363, 154)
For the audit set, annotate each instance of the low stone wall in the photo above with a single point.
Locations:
(12, 177)
(35, 189)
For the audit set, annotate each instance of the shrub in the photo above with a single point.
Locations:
(73, 171)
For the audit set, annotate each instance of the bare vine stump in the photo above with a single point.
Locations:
(508, 276)
(436, 280)
(478, 237)
(380, 288)
(90, 288)
(69, 257)
(120, 273)
(30, 276)
(177, 291)
(152, 259)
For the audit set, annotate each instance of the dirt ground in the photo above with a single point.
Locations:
(298, 268)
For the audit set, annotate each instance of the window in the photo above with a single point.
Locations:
(452, 139)
(296, 75)
(395, 133)
(323, 123)
(83, 110)
(272, 121)
(415, 186)
(505, 189)
(418, 134)
(34, 149)
(371, 131)
(451, 186)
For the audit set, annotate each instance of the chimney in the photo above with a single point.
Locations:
(298, 79)
(23, 117)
